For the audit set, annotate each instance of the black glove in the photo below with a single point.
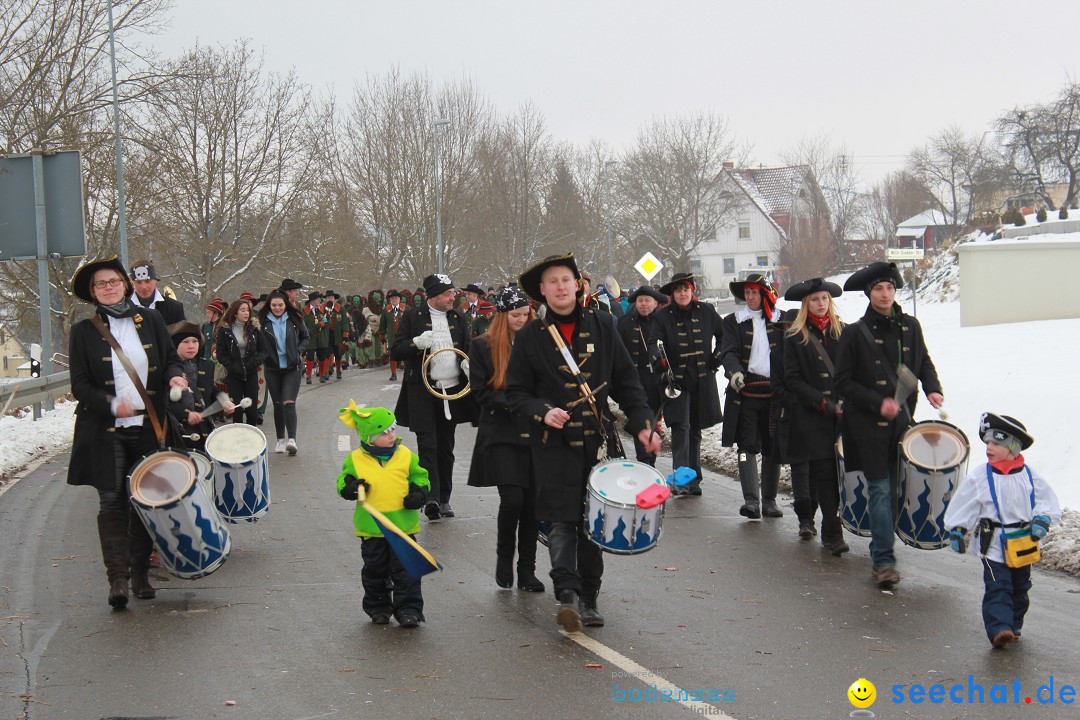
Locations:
(352, 485)
(416, 498)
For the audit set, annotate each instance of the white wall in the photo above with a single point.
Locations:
(764, 240)
(1007, 281)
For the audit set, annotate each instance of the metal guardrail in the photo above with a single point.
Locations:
(30, 391)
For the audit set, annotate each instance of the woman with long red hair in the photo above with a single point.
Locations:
(501, 456)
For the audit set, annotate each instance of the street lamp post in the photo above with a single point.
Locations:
(122, 215)
(607, 201)
(438, 198)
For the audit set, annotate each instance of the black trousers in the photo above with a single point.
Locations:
(753, 430)
(577, 563)
(683, 417)
(387, 587)
(240, 388)
(130, 445)
(283, 386)
(436, 451)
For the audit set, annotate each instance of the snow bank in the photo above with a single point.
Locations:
(25, 440)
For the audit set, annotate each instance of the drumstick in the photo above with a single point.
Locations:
(217, 405)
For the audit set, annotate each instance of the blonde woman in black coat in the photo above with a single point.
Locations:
(111, 429)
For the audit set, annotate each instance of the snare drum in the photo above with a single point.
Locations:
(854, 496)
(933, 461)
(179, 514)
(612, 518)
(241, 474)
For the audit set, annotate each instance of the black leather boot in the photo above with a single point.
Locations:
(568, 616)
(770, 480)
(590, 613)
(140, 546)
(113, 533)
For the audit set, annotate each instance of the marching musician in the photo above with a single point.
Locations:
(144, 279)
(188, 409)
(750, 336)
(568, 436)
(637, 330)
(318, 349)
(214, 311)
(501, 455)
(339, 326)
(291, 288)
(389, 321)
(111, 434)
(869, 359)
(813, 417)
(470, 308)
(691, 332)
(434, 326)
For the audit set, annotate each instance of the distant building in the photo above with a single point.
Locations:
(783, 206)
(12, 355)
(926, 230)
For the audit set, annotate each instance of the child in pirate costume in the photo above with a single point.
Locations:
(397, 486)
(200, 392)
(1010, 507)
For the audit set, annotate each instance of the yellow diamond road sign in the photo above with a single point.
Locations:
(648, 266)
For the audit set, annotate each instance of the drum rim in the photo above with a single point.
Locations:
(940, 470)
(625, 462)
(169, 452)
(233, 427)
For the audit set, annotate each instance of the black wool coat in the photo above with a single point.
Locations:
(693, 339)
(498, 424)
(636, 332)
(809, 431)
(539, 380)
(735, 357)
(416, 408)
(93, 460)
(241, 365)
(869, 439)
(171, 311)
(200, 376)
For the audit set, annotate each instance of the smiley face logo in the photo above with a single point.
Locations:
(862, 693)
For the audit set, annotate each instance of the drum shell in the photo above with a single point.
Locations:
(241, 487)
(924, 491)
(621, 528)
(187, 531)
(854, 496)
(204, 470)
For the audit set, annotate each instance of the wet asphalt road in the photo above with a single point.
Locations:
(767, 625)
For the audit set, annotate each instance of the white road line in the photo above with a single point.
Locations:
(343, 443)
(641, 674)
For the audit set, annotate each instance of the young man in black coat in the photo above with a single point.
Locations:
(691, 332)
(431, 327)
(636, 330)
(568, 437)
(751, 335)
(869, 356)
(145, 281)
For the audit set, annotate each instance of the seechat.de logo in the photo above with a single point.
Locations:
(862, 695)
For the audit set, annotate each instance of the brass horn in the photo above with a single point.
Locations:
(671, 389)
(437, 392)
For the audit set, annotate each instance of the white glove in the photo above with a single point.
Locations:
(465, 367)
(737, 382)
(424, 340)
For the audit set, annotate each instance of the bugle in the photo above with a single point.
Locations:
(671, 389)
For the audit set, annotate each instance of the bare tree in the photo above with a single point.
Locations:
(896, 198)
(671, 185)
(226, 150)
(1041, 145)
(958, 171)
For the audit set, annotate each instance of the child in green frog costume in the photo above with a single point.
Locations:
(396, 486)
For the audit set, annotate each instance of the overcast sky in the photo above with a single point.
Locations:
(881, 77)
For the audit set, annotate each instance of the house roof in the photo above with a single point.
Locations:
(924, 219)
(778, 186)
(751, 190)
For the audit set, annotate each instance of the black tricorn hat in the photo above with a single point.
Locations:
(738, 287)
(864, 280)
(185, 329)
(80, 283)
(393, 293)
(290, 284)
(808, 287)
(474, 288)
(314, 295)
(649, 291)
(530, 279)
(1002, 428)
(676, 280)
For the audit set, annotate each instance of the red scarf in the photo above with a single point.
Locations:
(820, 322)
(1006, 467)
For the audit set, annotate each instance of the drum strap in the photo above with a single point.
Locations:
(159, 429)
(890, 374)
(1001, 520)
(823, 355)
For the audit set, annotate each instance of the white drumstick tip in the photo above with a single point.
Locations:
(174, 393)
(245, 403)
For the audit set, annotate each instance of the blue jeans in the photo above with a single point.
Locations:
(882, 521)
(1005, 601)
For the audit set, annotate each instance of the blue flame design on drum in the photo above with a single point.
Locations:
(189, 548)
(612, 519)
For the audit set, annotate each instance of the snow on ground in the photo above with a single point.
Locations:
(24, 440)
